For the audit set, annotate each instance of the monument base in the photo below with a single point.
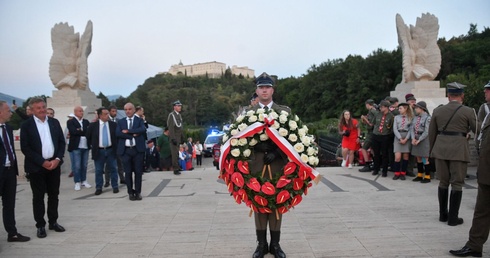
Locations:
(65, 100)
(428, 91)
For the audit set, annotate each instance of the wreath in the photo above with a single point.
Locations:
(264, 192)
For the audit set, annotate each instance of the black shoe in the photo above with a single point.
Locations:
(417, 179)
(365, 169)
(375, 173)
(98, 191)
(176, 172)
(396, 177)
(385, 174)
(41, 232)
(106, 184)
(137, 197)
(115, 190)
(56, 227)
(132, 197)
(276, 250)
(18, 238)
(410, 174)
(465, 252)
(425, 180)
(122, 182)
(261, 250)
(402, 177)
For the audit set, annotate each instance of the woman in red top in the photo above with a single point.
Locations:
(349, 129)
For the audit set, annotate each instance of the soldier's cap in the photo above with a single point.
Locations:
(487, 86)
(264, 80)
(410, 96)
(177, 103)
(370, 102)
(384, 103)
(455, 87)
(403, 104)
(422, 105)
(254, 96)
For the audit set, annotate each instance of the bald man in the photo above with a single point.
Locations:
(78, 147)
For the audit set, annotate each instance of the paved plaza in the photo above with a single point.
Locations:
(348, 214)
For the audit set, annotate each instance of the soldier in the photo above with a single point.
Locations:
(368, 121)
(481, 217)
(448, 145)
(176, 134)
(382, 130)
(266, 153)
(482, 113)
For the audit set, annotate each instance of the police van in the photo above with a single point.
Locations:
(213, 138)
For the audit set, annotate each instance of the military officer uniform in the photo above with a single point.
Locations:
(382, 131)
(176, 135)
(482, 113)
(449, 146)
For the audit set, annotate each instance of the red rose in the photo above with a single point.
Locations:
(261, 200)
(254, 184)
(265, 210)
(237, 179)
(283, 181)
(296, 200)
(297, 184)
(243, 167)
(268, 188)
(282, 196)
(282, 209)
(289, 168)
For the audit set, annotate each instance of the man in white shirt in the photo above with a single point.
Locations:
(77, 127)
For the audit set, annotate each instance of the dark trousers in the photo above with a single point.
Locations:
(174, 149)
(380, 149)
(120, 170)
(45, 181)
(8, 188)
(199, 160)
(481, 219)
(133, 163)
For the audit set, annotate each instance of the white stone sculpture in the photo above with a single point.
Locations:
(68, 65)
(421, 55)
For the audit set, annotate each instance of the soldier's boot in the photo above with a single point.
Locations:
(454, 203)
(262, 248)
(396, 169)
(427, 174)
(275, 248)
(442, 194)
(420, 172)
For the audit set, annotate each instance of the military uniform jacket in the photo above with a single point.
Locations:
(451, 147)
(483, 170)
(401, 127)
(371, 115)
(175, 128)
(387, 128)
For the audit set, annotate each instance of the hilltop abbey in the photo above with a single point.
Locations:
(212, 69)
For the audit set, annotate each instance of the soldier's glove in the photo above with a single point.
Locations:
(271, 156)
(174, 142)
(264, 147)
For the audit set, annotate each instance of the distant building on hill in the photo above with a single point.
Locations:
(212, 69)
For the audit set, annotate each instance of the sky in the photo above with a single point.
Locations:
(135, 40)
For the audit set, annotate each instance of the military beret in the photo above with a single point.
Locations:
(370, 102)
(409, 96)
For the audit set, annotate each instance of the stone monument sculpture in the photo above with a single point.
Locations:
(421, 61)
(68, 70)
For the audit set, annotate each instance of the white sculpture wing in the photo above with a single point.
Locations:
(84, 50)
(404, 40)
(62, 66)
(426, 31)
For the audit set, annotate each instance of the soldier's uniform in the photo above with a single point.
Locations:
(482, 113)
(262, 152)
(176, 135)
(382, 131)
(449, 146)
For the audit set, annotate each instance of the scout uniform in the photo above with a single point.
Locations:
(401, 129)
(176, 135)
(382, 130)
(420, 132)
(368, 140)
(449, 146)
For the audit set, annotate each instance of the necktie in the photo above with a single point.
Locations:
(403, 123)
(417, 124)
(266, 108)
(105, 137)
(6, 144)
(382, 123)
(130, 127)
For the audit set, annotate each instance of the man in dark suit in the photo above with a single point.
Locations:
(481, 217)
(101, 136)
(77, 127)
(449, 146)
(120, 169)
(131, 147)
(43, 144)
(8, 175)
(152, 159)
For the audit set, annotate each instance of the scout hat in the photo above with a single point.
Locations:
(422, 105)
(455, 87)
(403, 104)
(264, 80)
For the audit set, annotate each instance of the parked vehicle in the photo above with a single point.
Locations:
(212, 139)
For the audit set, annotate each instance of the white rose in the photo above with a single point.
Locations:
(225, 138)
(240, 118)
(306, 140)
(296, 118)
(312, 160)
(283, 119)
(305, 128)
(242, 126)
(260, 111)
(283, 132)
(234, 142)
(299, 147)
(284, 112)
(264, 137)
(316, 161)
(293, 137)
(293, 125)
(250, 113)
(235, 152)
(261, 117)
(234, 131)
(310, 151)
(274, 115)
(246, 153)
(252, 119)
(242, 141)
(301, 132)
(253, 142)
(276, 125)
(304, 158)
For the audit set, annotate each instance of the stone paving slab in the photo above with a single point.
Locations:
(348, 214)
